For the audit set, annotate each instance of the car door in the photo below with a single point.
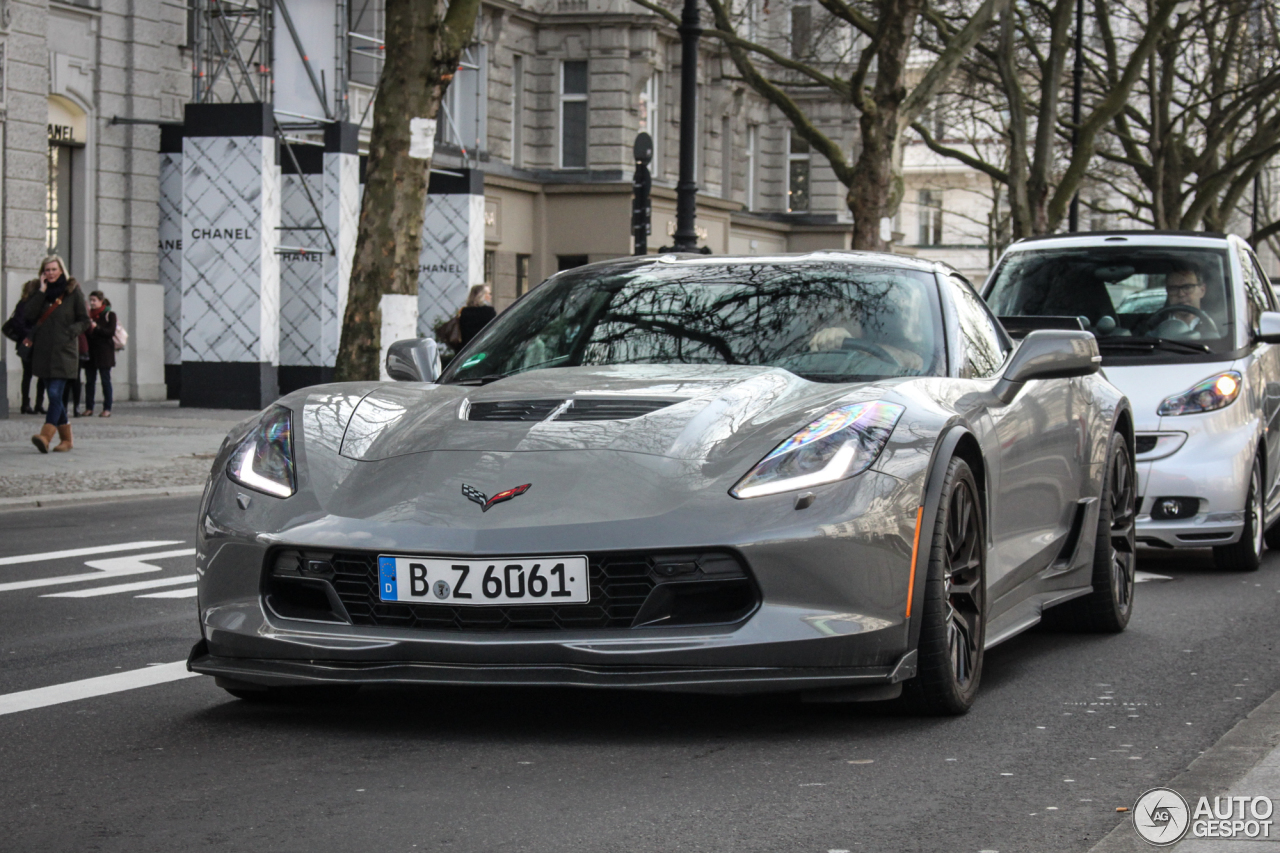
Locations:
(1264, 372)
(1042, 456)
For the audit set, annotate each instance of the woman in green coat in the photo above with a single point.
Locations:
(56, 310)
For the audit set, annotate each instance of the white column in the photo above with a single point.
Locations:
(230, 269)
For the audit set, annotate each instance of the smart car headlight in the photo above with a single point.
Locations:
(840, 444)
(1216, 392)
(264, 459)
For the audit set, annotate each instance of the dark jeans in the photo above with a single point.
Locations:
(57, 414)
(90, 374)
(26, 385)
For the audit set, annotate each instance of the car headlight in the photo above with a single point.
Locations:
(1213, 393)
(264, 459)
(840, 444)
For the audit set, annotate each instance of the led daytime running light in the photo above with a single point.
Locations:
(264, 460)
(840, 444)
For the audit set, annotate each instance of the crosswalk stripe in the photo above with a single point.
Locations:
(112, 567)
(188, 592)
(95, 591)
(86, 552)
(42, 697)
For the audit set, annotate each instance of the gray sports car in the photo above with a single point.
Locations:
(831, 473)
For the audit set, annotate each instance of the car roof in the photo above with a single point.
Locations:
(1202, 239)
(799, 258)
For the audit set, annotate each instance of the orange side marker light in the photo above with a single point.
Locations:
(915, 552)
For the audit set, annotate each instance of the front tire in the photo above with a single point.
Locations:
(1246, 554)
(953, 619)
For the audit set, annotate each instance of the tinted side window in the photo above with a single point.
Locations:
(983, 345)
(1256, 289)
(1264, 283)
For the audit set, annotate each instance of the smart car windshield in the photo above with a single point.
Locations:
(1135, 300)
(825, 321)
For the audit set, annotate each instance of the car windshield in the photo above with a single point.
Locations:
(824, 321)
(1135, 300)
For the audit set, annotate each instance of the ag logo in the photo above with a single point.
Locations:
(1161, 817)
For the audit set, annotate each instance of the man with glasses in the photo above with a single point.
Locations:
(1183, 286)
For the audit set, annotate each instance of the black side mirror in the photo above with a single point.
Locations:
(1049, 354)
(413, 360)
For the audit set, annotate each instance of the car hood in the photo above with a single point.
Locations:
(692, 413)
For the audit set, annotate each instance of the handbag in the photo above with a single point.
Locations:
(10, 328)
(451, 331)
(121, 338)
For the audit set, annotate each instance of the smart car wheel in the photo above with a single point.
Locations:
(953, 621)
(1246, 554)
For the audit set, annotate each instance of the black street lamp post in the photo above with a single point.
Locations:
(686, 237)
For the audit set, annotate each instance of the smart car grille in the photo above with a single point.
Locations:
(711, 588)
(578, 410)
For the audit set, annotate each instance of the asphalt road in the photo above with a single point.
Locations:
(1066, 729)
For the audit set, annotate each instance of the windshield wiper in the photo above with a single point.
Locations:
(481, 380)
(1149, 344)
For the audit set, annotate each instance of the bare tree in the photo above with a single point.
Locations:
(424, 39)
(875, 77)
(1205, 117)
(1017, 78)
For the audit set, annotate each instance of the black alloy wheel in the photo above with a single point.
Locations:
(953, 621)
(1246, 554)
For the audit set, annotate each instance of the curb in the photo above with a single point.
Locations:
(1226, 762)
(40, 501)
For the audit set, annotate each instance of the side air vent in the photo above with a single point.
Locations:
(1145, 443)
(610, 410)
(513, 410)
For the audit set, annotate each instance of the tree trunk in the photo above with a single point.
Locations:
(424, 39)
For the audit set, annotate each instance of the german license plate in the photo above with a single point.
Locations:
(532, 580)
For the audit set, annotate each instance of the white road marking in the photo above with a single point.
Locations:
(42, 697)
(189, 592)
(1149, 577)
(113, 567)
(86, 552)
(93, 592)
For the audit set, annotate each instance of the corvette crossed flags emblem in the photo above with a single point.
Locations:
(473, 494)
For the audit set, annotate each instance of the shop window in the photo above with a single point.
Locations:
(490, 262)
(522, 274)
(568, 262)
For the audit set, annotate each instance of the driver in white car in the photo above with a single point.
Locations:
(1183, 286)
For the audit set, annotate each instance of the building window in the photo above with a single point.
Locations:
(522, 274)
(929, 206)
(568, 262)
(366, 21)
(650, 120)
(464, 119)
(517, 111)
(801, 29)
(573, 115)
(753, 145)
(798, 175)
(726, 158)
(490, 262)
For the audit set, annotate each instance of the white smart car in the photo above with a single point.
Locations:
(1188, 330)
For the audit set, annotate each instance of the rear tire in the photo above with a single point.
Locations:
(1246, 554)
(1107, 609)
(953, 619)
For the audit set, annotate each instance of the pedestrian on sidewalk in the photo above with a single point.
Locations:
(58, 316)
(477, 313)
(24, 351)
(102, 351)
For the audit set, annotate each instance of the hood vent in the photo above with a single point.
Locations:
(593, 409)
(588, 409)
(513, 410)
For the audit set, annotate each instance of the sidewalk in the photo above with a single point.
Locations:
(142, 446)
(1245, 762)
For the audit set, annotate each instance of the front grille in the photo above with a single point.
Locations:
(1145, 444)
(610, 410)
(704, 588)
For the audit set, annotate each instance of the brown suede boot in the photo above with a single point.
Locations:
(42, 440)
(64, 433)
